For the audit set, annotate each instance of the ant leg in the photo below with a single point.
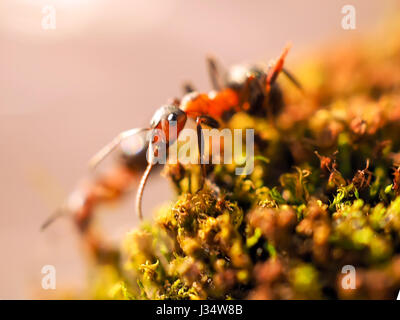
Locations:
(245, 91)
(189, 177)
(292, 78)
(209, 121)
(200, 138)
(188, 87)
(214, 73)
(106, 150)
(57, 214)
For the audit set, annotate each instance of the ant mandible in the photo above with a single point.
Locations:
(202, 107)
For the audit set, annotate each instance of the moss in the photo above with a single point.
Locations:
(324, 193)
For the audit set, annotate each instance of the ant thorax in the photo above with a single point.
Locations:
(189, 97)
(237, 75)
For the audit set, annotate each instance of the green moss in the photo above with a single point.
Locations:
(323, 194)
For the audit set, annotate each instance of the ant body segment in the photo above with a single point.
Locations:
(205, 109)
(254, 84)
(105, 187)
(165, 117)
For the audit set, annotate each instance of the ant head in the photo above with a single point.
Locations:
(169, 116)
(166, 117)
(169, 113)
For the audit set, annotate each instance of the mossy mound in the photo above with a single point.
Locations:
(324, 193)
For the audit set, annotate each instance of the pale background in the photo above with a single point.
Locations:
(106, 68)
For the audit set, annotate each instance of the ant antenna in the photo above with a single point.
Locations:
(214, 73)
(57, 214)
(139, 194)
(188, 87)
(293, 79)
(106, 150)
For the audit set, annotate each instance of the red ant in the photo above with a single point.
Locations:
(254, 84)
(166, 116)
(105, 187)
(203, 108)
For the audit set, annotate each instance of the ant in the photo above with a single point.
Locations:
(253, 83)
(204, 108)
(165, 117)
(109, 185)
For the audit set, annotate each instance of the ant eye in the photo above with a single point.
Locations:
(172, 117)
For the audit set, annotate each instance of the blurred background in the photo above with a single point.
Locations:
(107, 67)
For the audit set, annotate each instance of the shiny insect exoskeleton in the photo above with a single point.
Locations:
(255, 85)
(234, 93)
(195, 107)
